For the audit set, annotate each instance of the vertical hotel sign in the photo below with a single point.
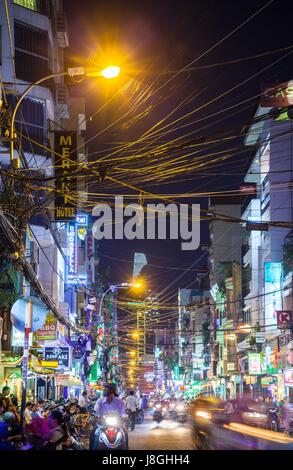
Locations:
(65, 165)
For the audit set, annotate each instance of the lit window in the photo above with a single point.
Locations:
(30, 4)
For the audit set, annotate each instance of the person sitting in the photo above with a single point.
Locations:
(57, 434)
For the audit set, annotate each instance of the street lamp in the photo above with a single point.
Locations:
(113, 288)
(108, 73)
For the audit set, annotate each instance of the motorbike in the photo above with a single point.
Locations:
(181, 413)
(201, 432)
(158, 413)
(273, 418)
(172, 410)
(111, 434)
(139, 416)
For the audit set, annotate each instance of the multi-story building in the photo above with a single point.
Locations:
(267, 264)
(225, 291)
(193, 338)
(33, 38)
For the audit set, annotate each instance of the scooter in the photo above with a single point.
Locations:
(111, 434)
(181, 413)
(172, 410)
(157, 414)
(139, 416)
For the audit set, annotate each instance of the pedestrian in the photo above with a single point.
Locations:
(229, 408)
(6, 397)
(131, 409)
(144, 402)
(83, 402)
(28, 413)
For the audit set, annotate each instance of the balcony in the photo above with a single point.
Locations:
(62, 101)
(62, 30)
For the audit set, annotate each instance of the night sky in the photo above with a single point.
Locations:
(157, 40)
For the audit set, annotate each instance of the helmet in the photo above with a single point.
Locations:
(111, 386)
(8, 417)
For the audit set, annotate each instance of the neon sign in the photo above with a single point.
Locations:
(82, 219)
(72, 253)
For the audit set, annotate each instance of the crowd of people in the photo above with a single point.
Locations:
(42, 426)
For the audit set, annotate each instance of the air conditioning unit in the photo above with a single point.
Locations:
(62, 30)
(62, 101)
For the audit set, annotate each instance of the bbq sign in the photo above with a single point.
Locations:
(58, 354)
(284, 318)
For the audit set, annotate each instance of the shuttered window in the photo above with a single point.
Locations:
(31, 52)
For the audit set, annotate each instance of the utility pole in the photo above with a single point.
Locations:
(27, 331)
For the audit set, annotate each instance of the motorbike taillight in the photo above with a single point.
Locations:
(111, 434)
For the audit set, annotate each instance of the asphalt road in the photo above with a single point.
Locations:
(167, 435)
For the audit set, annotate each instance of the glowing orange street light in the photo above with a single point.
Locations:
(111, 72)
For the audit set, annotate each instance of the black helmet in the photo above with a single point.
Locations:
(111, 386)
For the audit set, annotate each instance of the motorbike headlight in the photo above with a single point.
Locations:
(111, 421)
(203, 414)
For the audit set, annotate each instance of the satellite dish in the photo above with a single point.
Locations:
(19, 309)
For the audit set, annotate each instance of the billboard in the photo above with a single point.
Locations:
(277, 96)
(273, 277)
(58, 354)
(65, 165)
(284, 318)
(256, 363)
(49, 329)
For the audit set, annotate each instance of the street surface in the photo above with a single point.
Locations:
(166, 435)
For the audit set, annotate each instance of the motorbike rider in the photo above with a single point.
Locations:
(108, 403)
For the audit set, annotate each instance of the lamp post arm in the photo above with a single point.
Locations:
(22, 96)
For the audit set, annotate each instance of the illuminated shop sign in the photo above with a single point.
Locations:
(82, 219)
(72, 253)
(273, 291)
(65, 165)
(256, 363)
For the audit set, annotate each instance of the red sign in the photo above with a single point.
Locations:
(284, 318)
(277, 96)
(248, 188)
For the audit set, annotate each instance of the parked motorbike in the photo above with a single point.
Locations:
(111, 434)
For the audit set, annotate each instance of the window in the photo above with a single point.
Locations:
(30, 4)
(193, 327)
(40, 6)
(31, 120)
(31, 52)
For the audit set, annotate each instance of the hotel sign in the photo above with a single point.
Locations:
(65, 165)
